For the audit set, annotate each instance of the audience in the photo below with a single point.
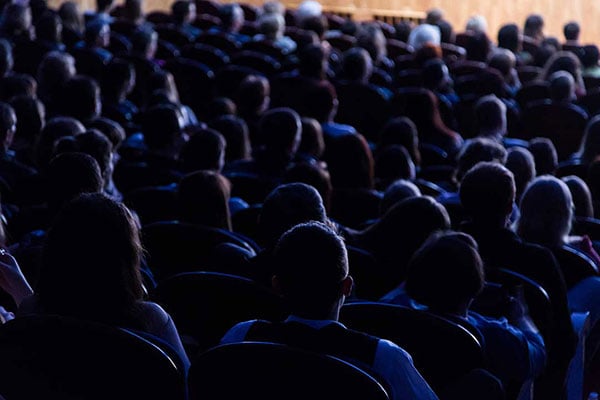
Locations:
(85, 121)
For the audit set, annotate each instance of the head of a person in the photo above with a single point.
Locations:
(545, 155)
(447, 34)
(478, 47)
(16, 20)
(350, 162)
(288, 205)
(504, 61)
(476, 150)
(205, 150)
(312, 270)
(273, 7)
(403, 29)
(582, 196)
(232, 17)
(113, 131)
(509, 37)
(487, 193)
(70, 174)
(271, 25)
(308, 9)
(8, 125)
(281, 130)
(235, 133)
(311, 174)
(590, 143)
(55, 69)
(396, 192)
(399, 232)
(6, 57)
(97, 33)
(477, 23)
(562, 87)
(322, 102)
(144, 42)
(520, 161)
(96, 144)
(317, 24)
(313, 61)
(312, 142)
(423, 109)
(81, 98)
(54, 129)
(253, 96)
(372, 39)
(31, 117)
(18, 84)
(91, 262)
(546, 212)
(162, 128)
(133, 10)
(534, 26)
(424, 33)
(71, 16)
(446, 273)
(436, 75)
(357, 65)
(49, 27)
(165, 82)
(183, 11)
(104, 6)
(434, 15)
(590, 56)
(203, 199)
(220, 106)
(562, 61)
(490, 114)
(393, 163)
(402, 131)
(571, 31)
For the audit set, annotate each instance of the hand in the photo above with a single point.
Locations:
(12, 279)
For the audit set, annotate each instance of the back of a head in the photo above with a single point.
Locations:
(392, 163)
(143, 40)
(161, 126)
(288, 205)
(350, 162)
(396, 192)
(321, 102)
(508, 37)
(232, 16)
(271, 25)
(476, 23)
(81, 98)
(590, 143)
(590, 56)
(31, 117)
(571, 31)
(280, 130)
(90, 261)
(562, 86)
(71, 174)
(235, 133)
(503, 60)
(71, 16)
(312, 142)
(111, 129)
(54, 70)
(313, 175)
(312, 264)
(253, 94)
(203, 198)
(434, 15)
(446, 273)
(490, 114)
(204, 150)
(582, 196)
(546, 212)
(534, 23)
(56, 128)
(49, 27)
(422, 34)
(308, 9)
(522, 164)
(476, 150)
(180, 10)
(487, 193)
(312, 61)
(357, 64)
(94, 143)
(545, 155)
(402, 131)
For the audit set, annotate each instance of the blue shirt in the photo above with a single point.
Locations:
(392, 363)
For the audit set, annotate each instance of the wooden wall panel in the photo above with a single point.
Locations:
(556, 12)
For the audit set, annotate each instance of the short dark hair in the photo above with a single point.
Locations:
(279, 128)
(161, 126)
(446, 272)
(476, 150)
(203, 198)
(545, 155)
(311, 263)
(204, 150)
(487, 191)
(571, 30)
(508, 37)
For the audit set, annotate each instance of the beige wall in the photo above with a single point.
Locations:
(555, 12)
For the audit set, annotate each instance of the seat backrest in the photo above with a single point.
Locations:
(205, 305)
(260, 62)
(52, 357)
(173, 247)
(272, 371)
(575, 265)
(153, 203)
(208, 55)
(441, 350)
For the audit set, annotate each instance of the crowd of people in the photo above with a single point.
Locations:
(447, 155)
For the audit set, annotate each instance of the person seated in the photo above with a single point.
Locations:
(521, 163)
(81, 99)
(79, 278)
(203, 199)
(509, 38)
(31, 118)
(205, 150)
(424, 34)
(163, 90)
(55, 70)
(11, 170)
(505, 62)
(396, 192)
(280, 130)
(72, 21)
(393, 163)
(372, 39)
(235, 133)
(571, 31)
(117, 84)
(322, 106)
(534, 27)
(102, 12)
(144, 42)
(357, 69)
(589, 61)
(444, 277)
(544, 154)
(565, 61)
(48, 31)
(487, 193)
(582, 196)
(96, 40)
(252, 100)
(271, 27)
(316, 316)
(184, 14)
(490, 118)
(232, 20)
